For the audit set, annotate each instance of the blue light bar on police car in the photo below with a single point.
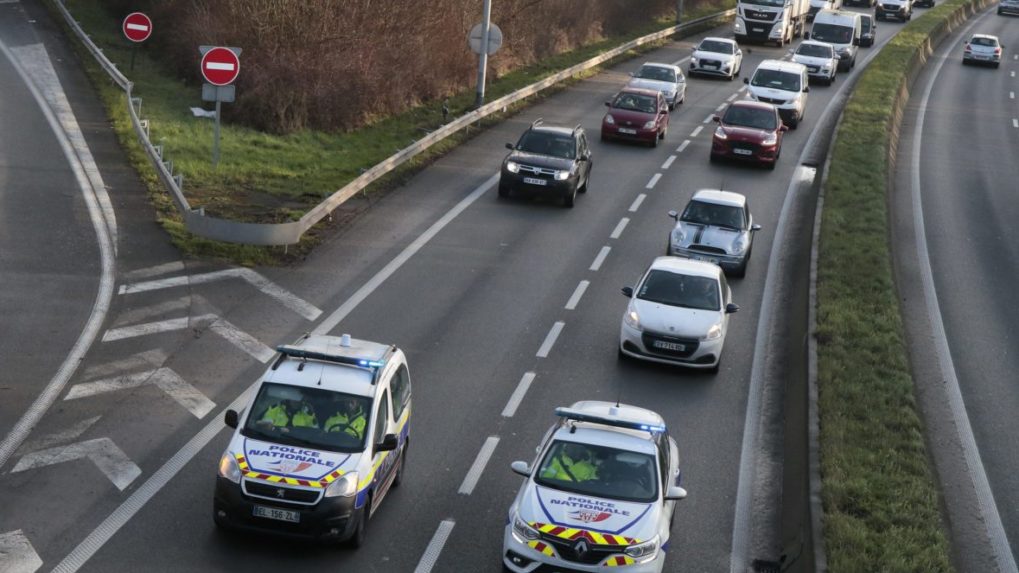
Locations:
(298, 352)
(616, 421)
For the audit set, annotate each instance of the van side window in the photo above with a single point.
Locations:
(401, 391)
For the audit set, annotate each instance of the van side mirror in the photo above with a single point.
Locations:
(806, 35)
(521, 468)
(806, 89)
(746, 81)
(230, 419)
(628, 292)
(388, 443)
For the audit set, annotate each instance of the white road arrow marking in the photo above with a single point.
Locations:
(285, 297)
(110, 460)
(68, 435)
(231, 333)
(163, 378)
(16, 554)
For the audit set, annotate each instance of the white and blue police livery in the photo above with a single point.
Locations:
(601, 492)
(322, 441)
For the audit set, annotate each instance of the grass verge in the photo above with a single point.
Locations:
(881, 503)
(268, 178)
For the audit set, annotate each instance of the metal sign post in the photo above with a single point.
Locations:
(484, 39)
(220, 67)
(137, 27)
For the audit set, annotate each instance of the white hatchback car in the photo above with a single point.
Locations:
(678, 314)
(820, 58)
(665, 78)
(717, 57)
(982, 49)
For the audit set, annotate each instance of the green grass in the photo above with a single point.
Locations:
(881, 503)
(277, 178)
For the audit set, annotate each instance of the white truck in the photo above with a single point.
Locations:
(776, 21)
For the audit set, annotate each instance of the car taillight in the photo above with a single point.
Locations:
(968, 48)
(997, 51)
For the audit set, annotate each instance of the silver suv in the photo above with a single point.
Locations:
(1008, 7)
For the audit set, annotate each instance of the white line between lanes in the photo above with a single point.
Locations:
(708, 119)
(654, 181)
(579, 292)
(619, 228)
(550, 339)
(474, 474)
(682, 146)
(518, 394)
(732, 97)
(600, 258)
(1015, 122)
(435, 546)
(1011, 95)
(1012, 74)
(697, 131)
(636, 202)
(720, 107)
(668, 162)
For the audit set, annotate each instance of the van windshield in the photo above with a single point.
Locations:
(776, 79)
(832, 33)
(310, 417)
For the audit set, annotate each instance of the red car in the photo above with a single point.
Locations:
(750, 130)
(636, 114)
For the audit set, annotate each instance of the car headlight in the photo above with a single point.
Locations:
(770, 140)
(670, 94)
(714, 332)
(346, 486)
(720, 134)
(645, 551)
(650, 124)
(609, 119)
(631, 318)
(693, 61)
(677, 238)
(524, 532)
(229, 469)
(739, 245)
(512, 167)
(562, 175)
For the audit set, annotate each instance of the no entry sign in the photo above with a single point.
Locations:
(220, 66)
(137, 27)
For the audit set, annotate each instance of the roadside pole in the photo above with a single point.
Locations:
(486, 26)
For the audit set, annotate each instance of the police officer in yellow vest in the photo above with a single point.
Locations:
(571, 463)
(304, 417)
(349, 418)
(277, 415)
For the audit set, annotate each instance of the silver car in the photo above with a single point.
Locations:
(717, 57)
(665, 78)
(717, 227)
(820, 58)
(982, 49)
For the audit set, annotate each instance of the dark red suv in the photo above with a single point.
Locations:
(749, 130)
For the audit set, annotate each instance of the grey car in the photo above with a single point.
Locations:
(716, 227)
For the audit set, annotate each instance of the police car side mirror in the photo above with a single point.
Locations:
(675, 493)
(628, 292)
(230, 418)
(521, 468)
(388, 443)
(731, 308)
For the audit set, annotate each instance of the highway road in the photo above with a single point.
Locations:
(118, 475)
(955, 210)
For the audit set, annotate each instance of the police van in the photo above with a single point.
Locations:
(601, 493)
(320, 444)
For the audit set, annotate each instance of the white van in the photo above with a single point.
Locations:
(782, 84)
(842, 29)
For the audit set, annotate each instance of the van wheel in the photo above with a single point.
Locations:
(361, 530)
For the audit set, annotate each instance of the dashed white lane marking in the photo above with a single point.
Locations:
(1015, 56)
(600, 258)
(518, 394)
(167, 268)
(1012, 74)
(163, 378)
(110, 460)
(550, 339)
(431, 554)
(1015, 122)
(474, 474)
(668, 162)
(732, 97)
(697, 131)
(285, 297)
(619, 228)
(1011, 95)
(16, 553)
(720, 107)
(742, 89)
(654, 181)
(577, 293)
(708, 119)
(636, 202)
(682, 146)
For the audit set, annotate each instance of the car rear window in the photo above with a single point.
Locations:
(988, 42)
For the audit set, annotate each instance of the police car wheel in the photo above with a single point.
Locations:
(361, 529)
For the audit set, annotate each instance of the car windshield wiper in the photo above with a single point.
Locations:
(258, 434)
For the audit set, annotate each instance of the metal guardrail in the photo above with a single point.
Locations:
(198, 223)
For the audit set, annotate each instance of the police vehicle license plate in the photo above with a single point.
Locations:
(534, 181)
(664, 345)
(277, 514)
(629, 131)
(742, 151)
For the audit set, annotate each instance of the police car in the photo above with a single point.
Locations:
(321, 443)
(600, 493)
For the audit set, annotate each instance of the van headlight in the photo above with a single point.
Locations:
(524, 532)
(643, 552)
(714, 332)
(346, 486)
(229, 469)
(512, 167)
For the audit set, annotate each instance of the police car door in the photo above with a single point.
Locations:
(383, 462)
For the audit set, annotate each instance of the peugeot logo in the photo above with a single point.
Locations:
(580, 548)
(281, 493)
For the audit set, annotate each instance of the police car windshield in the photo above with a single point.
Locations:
(599, 471)
(309, 417)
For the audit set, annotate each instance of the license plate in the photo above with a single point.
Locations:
(669, 345)
(277, 514)
(738, 151)
(627, 131)
(706, 259)
(534, 181)
(757, 29)
(714, 66)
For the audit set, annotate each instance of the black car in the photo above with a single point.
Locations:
(867, 36)
(548, 161)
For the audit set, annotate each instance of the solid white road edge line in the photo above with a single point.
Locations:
(550, 339)
(668, 162)
(518, 395)
(971, 452)
(431, 554)
(598, 260)
(478, 467)
(104, 294)
(636, 202)
(619, 228)
(654, 181)
(579, 292)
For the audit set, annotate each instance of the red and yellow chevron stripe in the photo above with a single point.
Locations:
(619, 560)
(541, 548)
(572, 533)
(324, 482)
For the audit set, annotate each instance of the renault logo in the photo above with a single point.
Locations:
(580, 548)
(281, 493)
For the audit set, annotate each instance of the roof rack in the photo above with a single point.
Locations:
(372, 366)
(610, 420)
(537, 122)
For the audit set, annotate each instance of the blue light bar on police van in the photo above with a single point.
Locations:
(616, 421)
(297, 352)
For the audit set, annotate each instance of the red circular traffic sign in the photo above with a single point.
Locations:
(137, 27)
(220, 66)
